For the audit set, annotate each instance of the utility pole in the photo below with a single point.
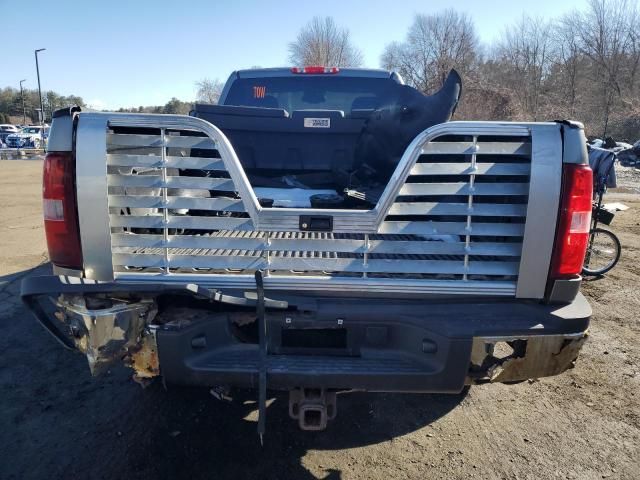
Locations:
(40, 95)
(39, 89)
(24, 112)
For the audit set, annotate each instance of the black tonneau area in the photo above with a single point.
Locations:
(365, 142)
(270, 138)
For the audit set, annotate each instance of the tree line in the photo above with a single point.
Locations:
(207, 91)
(11, 104)
(584, 65)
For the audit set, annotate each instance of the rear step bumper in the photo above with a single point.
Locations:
(434, 345)
(383, 373)
(372, 371)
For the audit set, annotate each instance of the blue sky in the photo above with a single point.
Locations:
(117, 53)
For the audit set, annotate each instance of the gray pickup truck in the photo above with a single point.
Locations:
(318, 231)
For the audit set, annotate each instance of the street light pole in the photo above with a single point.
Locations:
(24, 112)
(39, 90)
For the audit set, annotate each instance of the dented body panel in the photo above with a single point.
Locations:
(192, 337)
(106, 335)
(531, 357)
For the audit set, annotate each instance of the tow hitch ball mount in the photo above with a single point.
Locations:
(312, 407)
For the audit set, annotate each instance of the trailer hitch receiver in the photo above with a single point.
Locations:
(312, 407)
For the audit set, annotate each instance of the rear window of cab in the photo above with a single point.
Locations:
(311, 93)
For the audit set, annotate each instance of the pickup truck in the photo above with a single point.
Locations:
(320, 230)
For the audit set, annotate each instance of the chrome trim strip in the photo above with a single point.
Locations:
(542, 211)
(191, 244)
(287, 264)
(461, 169)
(93, 209)
(331, 284)
(486, 148)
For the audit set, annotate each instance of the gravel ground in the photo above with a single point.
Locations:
(59, 422)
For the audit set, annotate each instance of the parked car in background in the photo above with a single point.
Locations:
(33, 136)
(6, 130)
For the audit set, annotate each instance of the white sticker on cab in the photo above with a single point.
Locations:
(317, 122)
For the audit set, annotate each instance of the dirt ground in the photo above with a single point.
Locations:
(56, 421)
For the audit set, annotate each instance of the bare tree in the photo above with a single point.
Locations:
(525, 50)
(208, 90)
(434, 45)
(634, 52)
(606, 39)
(568, 62)
(322, 42)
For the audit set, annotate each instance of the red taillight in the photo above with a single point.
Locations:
(315, 69)
(60, 210)
(574, 222)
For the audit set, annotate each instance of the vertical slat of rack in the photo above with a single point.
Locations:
(165, 210)
(267, 251)
(365, 258)
(472, 178)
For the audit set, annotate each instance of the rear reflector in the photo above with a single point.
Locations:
(315, 69)
(60, 210)
(574, 223)
(53, 210)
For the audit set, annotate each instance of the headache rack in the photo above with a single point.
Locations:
(453, 219)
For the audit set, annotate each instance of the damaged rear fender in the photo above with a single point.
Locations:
(116, 332)
(513, 359)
